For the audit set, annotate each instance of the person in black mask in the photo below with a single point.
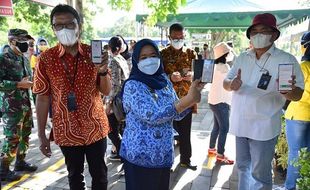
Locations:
(15, 104)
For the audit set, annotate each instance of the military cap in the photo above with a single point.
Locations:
(19, 33)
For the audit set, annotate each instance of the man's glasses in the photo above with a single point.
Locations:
(58, 27)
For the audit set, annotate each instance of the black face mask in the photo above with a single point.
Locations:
(23, 47)
(205, 48)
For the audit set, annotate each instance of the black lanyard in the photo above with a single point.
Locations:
(71, 81)
(262, 69)
(24, 68)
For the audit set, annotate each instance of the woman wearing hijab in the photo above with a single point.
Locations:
(151, 105)
(297, 118)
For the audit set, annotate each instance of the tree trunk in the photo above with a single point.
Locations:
(78, 5)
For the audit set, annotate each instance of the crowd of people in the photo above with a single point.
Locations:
(158, 96)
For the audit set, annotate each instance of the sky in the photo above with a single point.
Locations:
(110, 17)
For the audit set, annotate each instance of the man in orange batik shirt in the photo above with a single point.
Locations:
(177, 61)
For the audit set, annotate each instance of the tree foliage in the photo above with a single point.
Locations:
(30, 16)
(159, 9)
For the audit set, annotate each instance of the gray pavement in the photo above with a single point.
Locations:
(52, 173)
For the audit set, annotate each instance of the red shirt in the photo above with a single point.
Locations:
(89, 122)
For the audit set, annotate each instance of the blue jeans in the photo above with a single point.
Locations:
(253, 160)
(298, 136)
(220, 127)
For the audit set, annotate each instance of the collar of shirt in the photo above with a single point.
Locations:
(62, 50)
(271, 51)
(177, 50)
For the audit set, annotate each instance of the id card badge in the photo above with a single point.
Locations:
(71, 104)
(264, 81)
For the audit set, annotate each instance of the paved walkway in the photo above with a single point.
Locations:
(52, 173)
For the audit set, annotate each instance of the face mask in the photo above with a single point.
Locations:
(22, 46)
(67, 37)
(260, 40)
(149, 66)
(177, 44)
(42, 48)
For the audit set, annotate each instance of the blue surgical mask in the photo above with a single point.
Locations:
(149, 65)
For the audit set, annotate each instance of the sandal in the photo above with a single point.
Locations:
(223, 160)
(212, 151)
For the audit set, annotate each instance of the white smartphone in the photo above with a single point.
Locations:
(96, 51)
(285, 72)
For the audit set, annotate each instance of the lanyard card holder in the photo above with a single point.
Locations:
(71, 104)
(264, 81)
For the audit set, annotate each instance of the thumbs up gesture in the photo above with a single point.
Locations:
(236, 82)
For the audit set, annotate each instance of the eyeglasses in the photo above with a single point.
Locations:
(70, 25)
(265, 32)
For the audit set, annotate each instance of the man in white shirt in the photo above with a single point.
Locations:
(257, 103)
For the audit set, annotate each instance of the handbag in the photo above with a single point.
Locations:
(117, 107)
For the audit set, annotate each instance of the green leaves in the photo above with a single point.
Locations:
(159, 9)
(303, 162)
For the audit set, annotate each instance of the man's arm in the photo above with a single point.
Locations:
(105, 84)
(294, 95)
(42, 105)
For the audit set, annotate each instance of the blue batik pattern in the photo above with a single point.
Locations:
(148, 136)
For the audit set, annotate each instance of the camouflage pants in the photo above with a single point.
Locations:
(16, 129)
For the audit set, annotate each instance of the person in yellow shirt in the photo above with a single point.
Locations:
(297, 118)
(42, 45)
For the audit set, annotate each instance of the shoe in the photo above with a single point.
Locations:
(188, 166)
(212, 151)
(25, 166)
(222, 159)
(10, 176)
(115, 158)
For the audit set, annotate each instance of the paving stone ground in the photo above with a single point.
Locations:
(52, 173)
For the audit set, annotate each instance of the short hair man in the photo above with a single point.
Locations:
(177, 60)
(67, 75)
(256, 110)
(15, 103)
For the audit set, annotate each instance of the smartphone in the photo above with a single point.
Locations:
(285, 72)
(203, 69)
(96, 51)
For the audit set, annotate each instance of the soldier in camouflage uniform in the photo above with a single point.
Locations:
(15, 98)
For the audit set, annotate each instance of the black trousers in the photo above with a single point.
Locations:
(141, 178)
(183, 127)
(74, 159)
(115, 133)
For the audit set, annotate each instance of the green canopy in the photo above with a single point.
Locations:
(228, 20)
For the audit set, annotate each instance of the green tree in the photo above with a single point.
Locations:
(30, 16)
(158, 9)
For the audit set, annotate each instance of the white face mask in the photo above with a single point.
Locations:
(260, 40)
(149, 66)
(177, 44)
(67, 37)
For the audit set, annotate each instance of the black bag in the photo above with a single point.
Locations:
(117, 107)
